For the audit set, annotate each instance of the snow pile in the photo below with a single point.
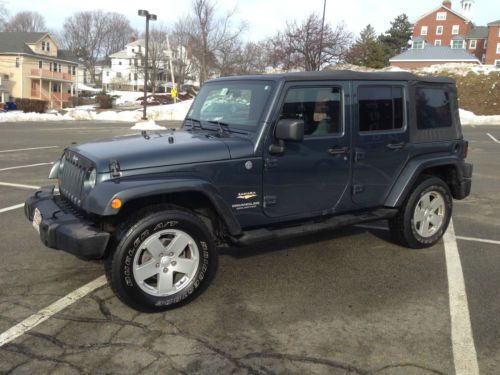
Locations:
(157, 113)
(127, 96)
(469, 118)
(461, 69)
(147, 125)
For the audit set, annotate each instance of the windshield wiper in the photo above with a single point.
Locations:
(193, 122)
(223, 127)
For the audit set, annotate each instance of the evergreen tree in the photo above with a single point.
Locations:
(367, 50)
(395, 40)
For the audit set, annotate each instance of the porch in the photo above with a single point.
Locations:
(57, 93)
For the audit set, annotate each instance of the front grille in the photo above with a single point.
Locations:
(72, 177)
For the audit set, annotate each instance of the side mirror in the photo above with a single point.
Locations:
(287, 130)
(290, 130)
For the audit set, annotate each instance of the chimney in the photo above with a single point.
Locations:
(447, 3)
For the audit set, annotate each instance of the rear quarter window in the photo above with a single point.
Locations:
(433, 108)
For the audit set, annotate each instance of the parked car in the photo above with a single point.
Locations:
(258, 158)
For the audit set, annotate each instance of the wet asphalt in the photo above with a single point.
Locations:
(346, 302)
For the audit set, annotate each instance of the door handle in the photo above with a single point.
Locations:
(396, 146)
(338, 151)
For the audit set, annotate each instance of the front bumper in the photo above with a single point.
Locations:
(62, 230)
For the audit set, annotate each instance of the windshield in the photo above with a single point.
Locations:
(237, 104)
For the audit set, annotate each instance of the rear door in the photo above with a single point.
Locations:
(310, 177)
(380, 139)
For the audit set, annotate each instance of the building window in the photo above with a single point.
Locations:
(73, 70)
(455, 30)
(473, 44)
(47, 46)
(457, 44)
(43, 46)
(433, 108)
(135, 76)
(380, 108)
(40, 64)
(119, 62)
(60, 68)
(497, 63)
(437, 42)
(439, 30)
(441, 16)
(133, 50)
(130, 76)
(423, 30)
(17, 62)
(107, 73)
(50, 66)
(418, 44)
(498, 48)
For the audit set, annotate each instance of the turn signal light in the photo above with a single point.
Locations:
(466, 149)
(116, 203)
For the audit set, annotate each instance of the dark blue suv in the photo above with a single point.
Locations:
(258, 158)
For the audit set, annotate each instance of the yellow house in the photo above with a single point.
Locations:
(32, 66)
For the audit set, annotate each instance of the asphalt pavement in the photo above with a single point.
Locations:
(346, 302)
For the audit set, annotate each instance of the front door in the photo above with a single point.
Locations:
(309, 178)
(380, 139)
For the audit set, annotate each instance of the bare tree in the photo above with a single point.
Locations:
(93, 35)
(26, 21)
(299, 45)
(157, 55)
(4, 14)
(185, 65)
(211, 33)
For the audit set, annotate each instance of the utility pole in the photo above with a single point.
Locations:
(321, 34)
(152, 17)
(171, 66)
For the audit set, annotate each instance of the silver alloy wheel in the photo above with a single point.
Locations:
(429, 214)
(166, 262)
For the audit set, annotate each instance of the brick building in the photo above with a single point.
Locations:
(448, 28)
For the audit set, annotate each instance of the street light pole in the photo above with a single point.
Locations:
(152, 17)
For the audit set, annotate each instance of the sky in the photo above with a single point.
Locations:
(263, 17)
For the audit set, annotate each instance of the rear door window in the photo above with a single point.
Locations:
(381, 108)
(433, 108)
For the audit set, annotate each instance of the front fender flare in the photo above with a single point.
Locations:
(99, 200)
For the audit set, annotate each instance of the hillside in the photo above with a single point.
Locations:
(478, 86)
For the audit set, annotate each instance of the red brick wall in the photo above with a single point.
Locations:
(493, 40)
(431, 23)
(479, 51)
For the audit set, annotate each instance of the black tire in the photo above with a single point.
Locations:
(404, 229)
(149, 224)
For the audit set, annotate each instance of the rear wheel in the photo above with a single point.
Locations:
(162, 260)
(424, 217)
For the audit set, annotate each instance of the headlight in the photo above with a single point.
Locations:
(56, 167)
(92, 178)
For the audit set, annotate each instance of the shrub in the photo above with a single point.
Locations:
(32, 105)
(104, 100)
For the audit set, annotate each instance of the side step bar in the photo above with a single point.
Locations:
(260, 235)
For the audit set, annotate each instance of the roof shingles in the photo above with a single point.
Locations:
(437, 53)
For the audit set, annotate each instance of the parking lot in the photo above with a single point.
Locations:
(347, 302)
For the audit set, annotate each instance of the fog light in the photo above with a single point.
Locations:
(116, 203)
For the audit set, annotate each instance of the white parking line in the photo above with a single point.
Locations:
(493, 138)
(27, 149)
(8, 184)
(6, 209)
(44, 314)
(474, 239)
(25, 166)
(464, 350)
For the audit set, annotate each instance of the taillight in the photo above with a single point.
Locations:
(466, 149)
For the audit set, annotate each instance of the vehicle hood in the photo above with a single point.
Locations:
(156, 149)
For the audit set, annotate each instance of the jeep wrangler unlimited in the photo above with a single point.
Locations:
(258, 158)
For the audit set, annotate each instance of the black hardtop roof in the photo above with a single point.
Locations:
(342, 75)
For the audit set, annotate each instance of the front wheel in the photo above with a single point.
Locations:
(425, 215)
(162, 260)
